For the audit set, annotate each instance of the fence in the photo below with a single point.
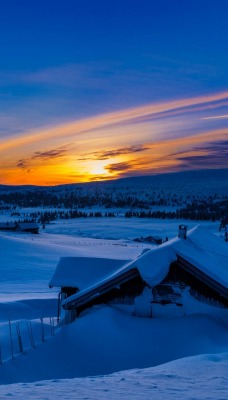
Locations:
(18, 337)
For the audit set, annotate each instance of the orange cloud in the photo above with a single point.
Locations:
(111, 145)
(109, 119)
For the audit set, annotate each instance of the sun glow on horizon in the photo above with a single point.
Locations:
(163, 137)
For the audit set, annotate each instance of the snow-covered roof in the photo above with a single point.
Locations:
(201, 248)
(205, 251)
(81, 272)
(7, 225)
(28, 225)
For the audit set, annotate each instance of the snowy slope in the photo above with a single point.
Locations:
(106, 339)
(28, 261)
(202, 377)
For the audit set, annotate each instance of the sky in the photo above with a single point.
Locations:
(93, 90)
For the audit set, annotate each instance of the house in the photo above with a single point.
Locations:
(30, 227)
(188, 270)
(7, 226)
(149, 239)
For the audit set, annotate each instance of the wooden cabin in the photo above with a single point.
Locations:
(149, 239)
(161, 281)
(30, 227)
(8, 226)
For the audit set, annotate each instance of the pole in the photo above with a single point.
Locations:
(11, 340)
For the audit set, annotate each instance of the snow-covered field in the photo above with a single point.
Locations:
(107, 353)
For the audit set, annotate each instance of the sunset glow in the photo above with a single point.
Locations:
(111, 146)
(79, 112)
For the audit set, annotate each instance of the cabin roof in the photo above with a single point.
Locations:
(7, 225)
(202, 249)
(28, 225)
(205, 251)
(81, 272)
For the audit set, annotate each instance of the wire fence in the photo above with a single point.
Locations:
(18, 337)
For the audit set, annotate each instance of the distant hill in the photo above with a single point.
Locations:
(208, 178)
(12, 188)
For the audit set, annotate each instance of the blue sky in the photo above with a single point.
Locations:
(62, 61)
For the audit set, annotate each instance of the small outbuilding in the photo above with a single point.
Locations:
(30, 227)
(7, 226)
(149, 239)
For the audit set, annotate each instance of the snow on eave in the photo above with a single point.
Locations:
(152, 266)
(81, 272)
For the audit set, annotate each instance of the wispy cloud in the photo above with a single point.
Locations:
(107, 154)
(70, 75)
(23, 164)
(217, 117)
(162, 158)
(114, 119)
(128, 142)
(41, 156)
(119, 167)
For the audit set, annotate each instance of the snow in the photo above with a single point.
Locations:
(204, 250)
(81, 272)
(154, 265)
(181, 379)
(107, 339)
(207, 252)
(31, 259)
(209, 255)
(107, 352)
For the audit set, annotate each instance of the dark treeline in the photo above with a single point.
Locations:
(194, 208)
(191, 212)
(75, 200)
(48, 216)
(198, 212)
(110, 199)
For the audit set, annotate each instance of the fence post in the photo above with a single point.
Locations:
(11, 340)
(42, 326)
(52, 326)
(19, 338)
(1, 362)
(29, 326)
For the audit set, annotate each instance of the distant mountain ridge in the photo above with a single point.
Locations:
(210, 176)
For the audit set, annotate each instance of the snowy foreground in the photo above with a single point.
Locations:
(107, 353)
(199, 377)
